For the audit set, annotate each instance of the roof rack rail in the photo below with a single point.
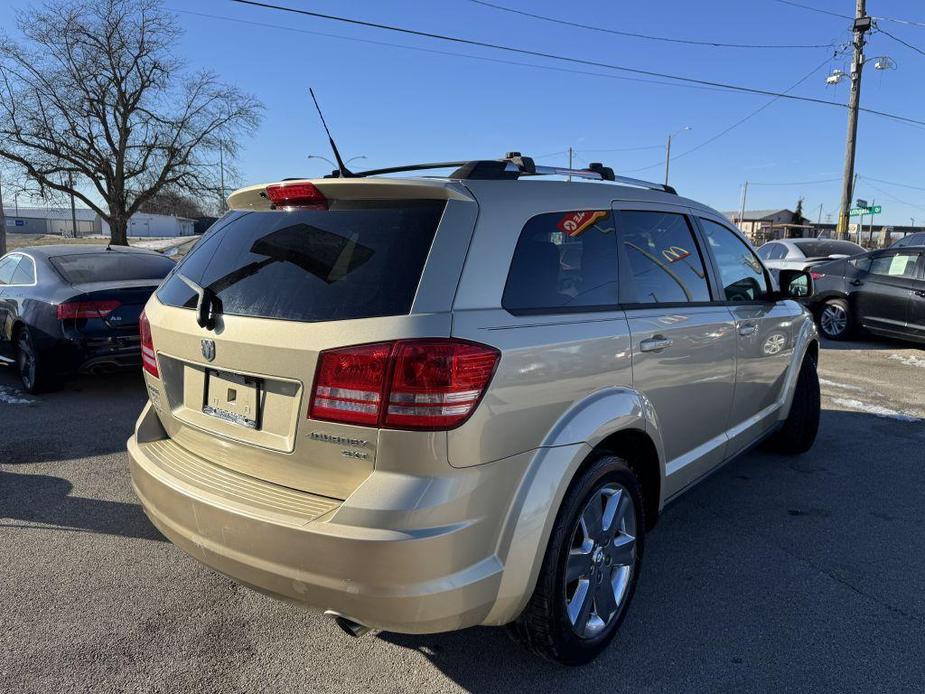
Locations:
(512, 166)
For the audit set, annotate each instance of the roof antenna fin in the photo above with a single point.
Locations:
(342, 170)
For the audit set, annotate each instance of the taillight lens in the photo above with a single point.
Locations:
(421, 384)
(816, 275)
(148, 359)
(87, 309)
(349, 384)
(296, 195)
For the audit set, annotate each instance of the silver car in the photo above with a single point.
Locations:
(424, 404)
(802, 254)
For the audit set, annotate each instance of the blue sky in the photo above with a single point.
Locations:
(398, 105)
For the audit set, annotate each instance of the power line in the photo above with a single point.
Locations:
(742, 120)
(899, 40)
(794, 183)
(568, 59)
(891, 183)
(907, 22)
(890, 195)
(622, 149)
(651, 37)
(814, 9)
(434, 51)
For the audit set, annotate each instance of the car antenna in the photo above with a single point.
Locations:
(342, 170)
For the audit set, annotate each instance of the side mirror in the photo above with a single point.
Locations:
(795, 284)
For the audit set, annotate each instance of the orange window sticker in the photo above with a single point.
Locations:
(576, 223)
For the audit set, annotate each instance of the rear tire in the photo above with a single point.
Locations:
(590, 569)
(798, 432)
(30, 364)
(835, 320)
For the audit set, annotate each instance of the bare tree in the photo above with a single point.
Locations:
(94, 96)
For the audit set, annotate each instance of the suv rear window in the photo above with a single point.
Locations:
(356, 261)
(112, 266)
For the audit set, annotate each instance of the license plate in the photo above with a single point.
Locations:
(233, 398)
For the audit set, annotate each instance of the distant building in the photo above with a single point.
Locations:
(57, 221)
(763, 225)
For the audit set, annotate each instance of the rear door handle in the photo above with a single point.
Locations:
(749, 329)
(655, 344)
(855, 283)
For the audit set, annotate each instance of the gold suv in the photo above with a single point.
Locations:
(423, 404)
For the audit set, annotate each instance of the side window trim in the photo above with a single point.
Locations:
(627, 291)
(770, 284)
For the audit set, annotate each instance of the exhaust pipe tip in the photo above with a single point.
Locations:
(350, 627)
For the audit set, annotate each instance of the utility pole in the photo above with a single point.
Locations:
(862, 24)
(70, 179)
(3, 224)
(742, 214)
(870, 235)
(570, 163)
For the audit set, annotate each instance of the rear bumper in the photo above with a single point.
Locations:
(410, 570)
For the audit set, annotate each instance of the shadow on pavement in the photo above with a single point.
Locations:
(774, 571)
(45, 499)
(869, 342)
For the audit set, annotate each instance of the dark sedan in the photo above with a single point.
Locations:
(881, 291)
(71, 308)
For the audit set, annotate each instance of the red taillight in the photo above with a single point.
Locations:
(296, 195)
(816, 275)
(408, 384)
(87, 309)
(148, 359)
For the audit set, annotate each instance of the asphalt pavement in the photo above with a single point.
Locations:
(776, 574)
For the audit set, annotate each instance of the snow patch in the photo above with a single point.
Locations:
(910, 360)
(842, 386)
(11, 396)
(877, 410)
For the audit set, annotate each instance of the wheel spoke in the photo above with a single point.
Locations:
(578, 565)
(592, 519)
(614, 511)
(622, 551)
(605, 602)
(579, 609)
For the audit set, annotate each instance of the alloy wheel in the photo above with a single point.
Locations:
(834, 320)
(25, 360)
(601, 560)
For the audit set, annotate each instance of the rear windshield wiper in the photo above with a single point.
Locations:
(205, 305)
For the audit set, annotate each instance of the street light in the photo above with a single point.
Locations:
(668, 150)
(318, 156)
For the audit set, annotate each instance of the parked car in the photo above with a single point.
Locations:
(801, 254)
(423, 404)
(68, 308)
(881, 291)
(915, 239)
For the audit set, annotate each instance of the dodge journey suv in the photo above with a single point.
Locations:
(423, 404)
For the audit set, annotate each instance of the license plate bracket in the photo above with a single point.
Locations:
(233, 398)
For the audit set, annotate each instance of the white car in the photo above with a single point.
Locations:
(801, 254)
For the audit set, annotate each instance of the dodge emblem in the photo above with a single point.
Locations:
(208, 349)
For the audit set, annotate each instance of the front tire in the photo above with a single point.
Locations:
(798, 432)
(835, 320)
(590, 569)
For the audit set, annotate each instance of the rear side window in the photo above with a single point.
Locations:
(894, 265)
(663, 258)
(356, 261)
(25, 272)
(111, 266)
(564, 261)
(823, 249)
(7, 267)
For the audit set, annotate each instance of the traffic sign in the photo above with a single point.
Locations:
(861, 203)
(874, 210)
(857, 211)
